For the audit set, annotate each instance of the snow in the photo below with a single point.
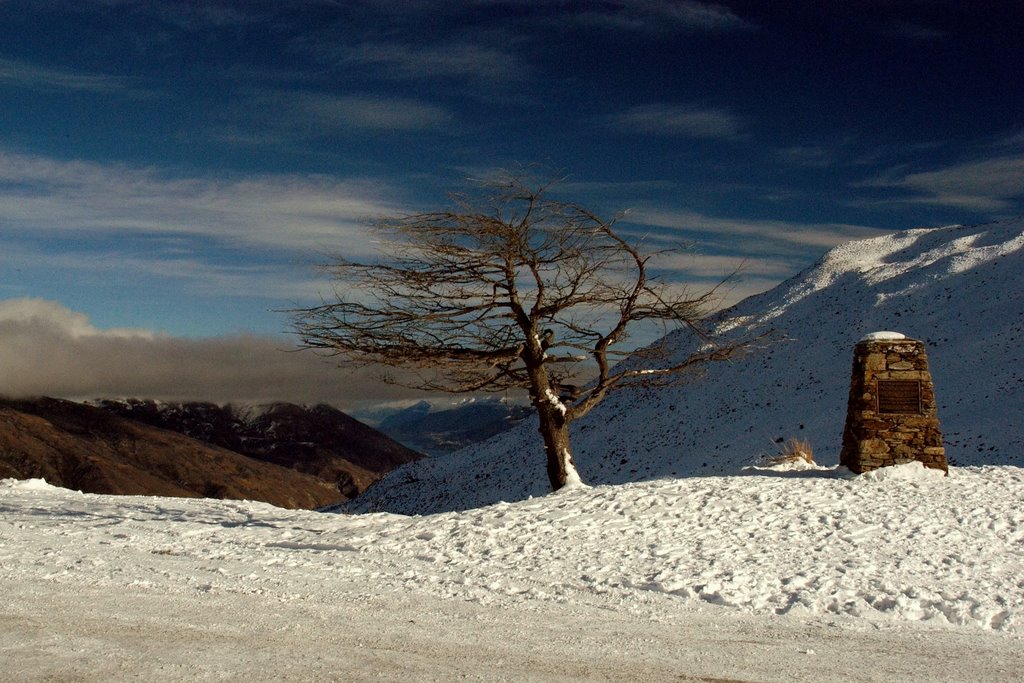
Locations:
(911, 471)
(572, 476)
(29, 485)
(745, 577)
(554, 401)
(883, 336)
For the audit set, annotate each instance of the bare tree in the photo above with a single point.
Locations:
(510, 289)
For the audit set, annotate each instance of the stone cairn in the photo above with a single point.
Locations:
(891, 417)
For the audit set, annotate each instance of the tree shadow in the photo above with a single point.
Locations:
(838, 472)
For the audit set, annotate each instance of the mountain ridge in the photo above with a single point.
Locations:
(319, 439)
(85, 448)
(281, 453)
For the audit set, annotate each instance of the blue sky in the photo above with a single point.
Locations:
(178, 167)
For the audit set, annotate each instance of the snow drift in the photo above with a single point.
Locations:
(959, 289)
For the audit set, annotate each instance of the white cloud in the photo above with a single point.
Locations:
(734, 277)
(681, 120)
(985, 185)
(808, 156)
(816, 235)
(918, 32)
(53, 79)
(755, 255)
(457, 60)
(330, 112)
(1013, 140)
(39, 195)
(153, 265)
(703, 266)
(58, 319)
(48, 349)
(284, 116)
(659, 16)
(188, 16)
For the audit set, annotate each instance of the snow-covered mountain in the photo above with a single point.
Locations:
(960, 289)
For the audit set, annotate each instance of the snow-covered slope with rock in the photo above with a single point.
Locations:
(960, 289)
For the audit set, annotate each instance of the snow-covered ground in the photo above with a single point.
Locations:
(769, 575)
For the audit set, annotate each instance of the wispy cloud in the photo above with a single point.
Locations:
(40, 195)
(287, 115)
(368, 112)
(36, 77)
(283, 281)
(659, 16)
(681, 120)
(694, 265)
(755, 255)
(995, 184)
(478, 62)
(808, 156)
(809, 235)
(1013, 140)
(914, 31)
(202, 15)
(48, 349)
(189, 16)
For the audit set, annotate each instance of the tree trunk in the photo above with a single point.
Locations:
(553, 425)
(555, 432)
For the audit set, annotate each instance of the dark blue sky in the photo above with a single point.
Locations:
(177, 166)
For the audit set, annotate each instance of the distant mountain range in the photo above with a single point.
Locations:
(436, 431)
(959, 289)
(288, 455)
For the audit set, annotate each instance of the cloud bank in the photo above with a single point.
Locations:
(47, 349)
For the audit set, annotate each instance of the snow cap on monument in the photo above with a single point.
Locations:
(882, 336)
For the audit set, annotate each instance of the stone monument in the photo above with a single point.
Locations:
(891, 416)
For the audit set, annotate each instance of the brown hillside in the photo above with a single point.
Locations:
(84, 448)
(318, 440)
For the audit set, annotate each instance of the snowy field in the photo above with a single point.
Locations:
(771, 575)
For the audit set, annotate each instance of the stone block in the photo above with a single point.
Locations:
(908, 427)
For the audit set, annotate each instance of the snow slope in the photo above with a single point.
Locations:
(770, 575)
(960, 289)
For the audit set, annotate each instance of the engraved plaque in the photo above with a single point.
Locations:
(899, 396)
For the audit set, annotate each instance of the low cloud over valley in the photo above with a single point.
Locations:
(48, 349)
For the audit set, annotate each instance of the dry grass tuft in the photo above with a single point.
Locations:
(791, 451)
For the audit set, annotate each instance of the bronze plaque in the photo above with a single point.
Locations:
(899, 396)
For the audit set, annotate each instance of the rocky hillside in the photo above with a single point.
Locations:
(85, 448)
(318, 440)
(959, 289)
